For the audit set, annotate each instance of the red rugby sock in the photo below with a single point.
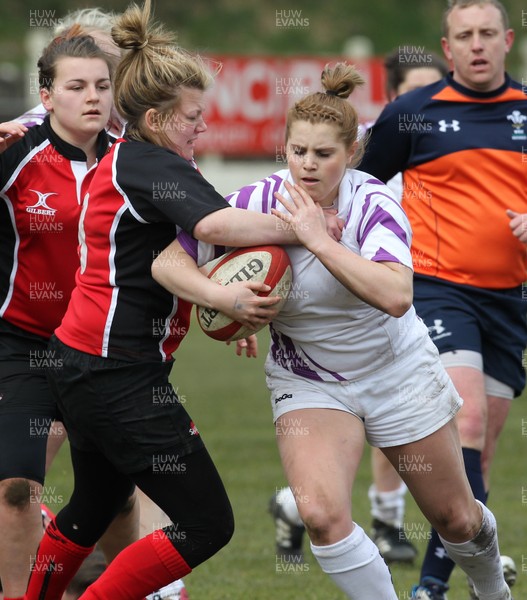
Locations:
(145, 566)
(56, 562)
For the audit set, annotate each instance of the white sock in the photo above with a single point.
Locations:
(287, 501)
(480, 559)
(172, 588)
(388, 507)
(356, 567)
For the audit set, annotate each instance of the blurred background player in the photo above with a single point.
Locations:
(98, 24)
(405, 70)
(464, 193)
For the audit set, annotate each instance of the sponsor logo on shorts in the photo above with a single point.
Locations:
(437, 331)
(193, 429)
(283, 397)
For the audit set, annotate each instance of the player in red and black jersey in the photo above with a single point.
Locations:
(43, 177)
(117, 336)
(460, 144)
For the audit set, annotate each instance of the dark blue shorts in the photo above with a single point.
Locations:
(490, 322)
(128, 411)
(27, 406)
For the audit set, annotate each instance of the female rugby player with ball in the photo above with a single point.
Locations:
(349, 359)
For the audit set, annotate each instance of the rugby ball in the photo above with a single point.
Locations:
(269, 264)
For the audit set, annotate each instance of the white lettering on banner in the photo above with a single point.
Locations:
(308, 72)
(245, 90)
(247, 105)
(258, 101)
(229, 135)
(225, 90)
(272, 136)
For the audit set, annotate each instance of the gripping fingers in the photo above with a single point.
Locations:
(265, 311)
(289, 206)
(282, 216)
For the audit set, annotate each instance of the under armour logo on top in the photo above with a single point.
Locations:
(444, 126)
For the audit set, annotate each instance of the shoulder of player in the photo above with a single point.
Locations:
(144, 172)
(374, 203)
(150, 157)
(274, 179)
(142, 159)
(33, 117)
(11, 158)
(363, 191)
(415, 100)
(262, 190)
(519, 88)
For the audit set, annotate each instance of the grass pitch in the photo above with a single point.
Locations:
(227, 398)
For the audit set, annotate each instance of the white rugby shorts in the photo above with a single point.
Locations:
(404, 402)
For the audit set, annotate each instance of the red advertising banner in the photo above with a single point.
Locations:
(246, 107)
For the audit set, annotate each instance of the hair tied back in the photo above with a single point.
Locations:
(135, 45)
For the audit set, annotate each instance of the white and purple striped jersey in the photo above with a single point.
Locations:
(324, 331)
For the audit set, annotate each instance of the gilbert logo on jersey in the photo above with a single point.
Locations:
(41, 207)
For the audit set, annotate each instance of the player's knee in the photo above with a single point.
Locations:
(18, 493)
(319, 521)
(472, 429)
(473, 415)
(221, 529)
(457, 521)
(197, 544)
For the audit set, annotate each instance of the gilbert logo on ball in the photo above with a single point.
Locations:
(269, 264)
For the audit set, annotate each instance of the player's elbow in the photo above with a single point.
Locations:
(161, 272)
(399, 295)
(399, 304)
(159, 275)
(211, 229)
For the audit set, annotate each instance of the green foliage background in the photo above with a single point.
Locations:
(250, 26)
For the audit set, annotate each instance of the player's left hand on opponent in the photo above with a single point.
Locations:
(11, 132)
(518, 225)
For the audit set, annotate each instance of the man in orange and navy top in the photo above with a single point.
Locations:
(459, 143)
